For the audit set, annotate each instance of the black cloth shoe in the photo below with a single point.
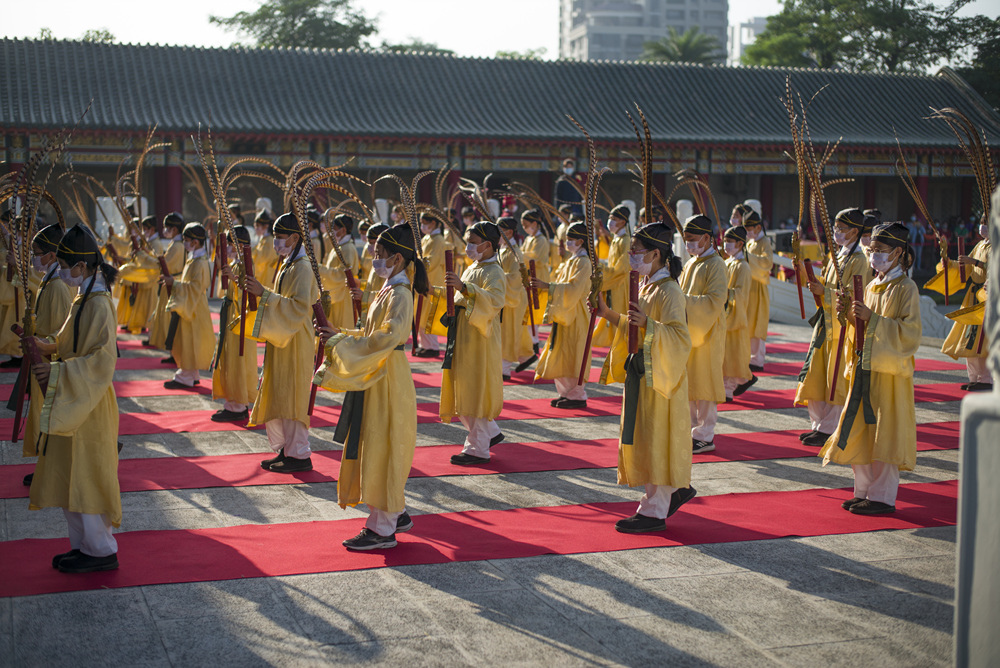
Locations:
(506, 378)
(404, 523)
(59, 557)
(640, 524)
(231, 416)
(84, 563)
(816, 439)
(729, 400)
(679, 498)
(423, 352)
(555, 402)
(464, 459)
(754, 367)
(174, 385)
(806, 434)
(120, 446)
(846, 505)
(867, 507)
(980, 387)
(291, 465)
(369, 540)
(27, 479)
(526, 363)
(569, 404)
(699, 447)
(740, 389)
(496, 439)
(964, 386)
(168, 360)
(147, 344)
(273, 460)
(12, 363)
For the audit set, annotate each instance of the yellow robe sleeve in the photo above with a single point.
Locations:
(706, 298)
(761, 259)
(52, 306)
(433, 248)
(174, 257)
(265, 261)
(537, 248)
(191, 290)
(279, 318)
(892, 337)
(572, 289)
(486, 288)
(618, 266)
(739, 291)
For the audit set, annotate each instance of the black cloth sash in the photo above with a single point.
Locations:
(552, 336)
(451, 322)
(227, 303)
(349, 423)
(175, 320)
(970, 341)
(818, 321)
(133, 291)
(860, 398)
(635, 370)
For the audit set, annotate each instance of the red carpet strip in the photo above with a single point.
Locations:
(162, 473)
(271, 550)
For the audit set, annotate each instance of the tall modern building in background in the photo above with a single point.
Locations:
(617, 29)
(743, 35)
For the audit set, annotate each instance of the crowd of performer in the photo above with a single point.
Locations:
(702, 327)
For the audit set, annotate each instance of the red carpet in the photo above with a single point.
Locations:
(137, 475)
(158, 557)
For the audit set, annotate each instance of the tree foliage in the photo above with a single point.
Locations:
(691, 46)
(867, 35)
(101, 35)
(527, 54)
(318, 24)
(982, 73)
(415, 45)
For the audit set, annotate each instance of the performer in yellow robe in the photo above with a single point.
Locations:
(433, 246)
(193, 340)
(373, 283)
(234, 378)
(471, 384)
(569, 316)
(816, 377)
(378, 424)
(123, 289)
(653, 448)
(265, 260)
(159, 320)
(736, 375)
(538, 247)
(341, 313)
(317, 235)
(615, 272)
(52, 305)
(145, 298)
(761, 258)
(284, 322)
(704, 282)
(78, 458)
(877, 434)
(515, 335)
(970, 341)
(566, 218)
(9, 343)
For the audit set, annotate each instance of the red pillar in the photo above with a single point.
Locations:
(168, 190)
(766, 197)
(869, 192)
(968, 193)
(922, 183)
(425, 189)
(458, 202)
(545, 186)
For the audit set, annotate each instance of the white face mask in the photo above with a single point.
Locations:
(261, 231)
(693, 248)
(880, 262)
(382, 268)
(472, 250)
(735, 221)
(840, 238)
(568, 171)
(644, 268)
(574, 246)
(190, 246)
(730, 247)
(426, 229)
(394, 216)
(281, 248)
(68, 278)
(983, 231)
(866, 242)
(36, 263)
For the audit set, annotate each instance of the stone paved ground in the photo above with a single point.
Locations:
(882, 598)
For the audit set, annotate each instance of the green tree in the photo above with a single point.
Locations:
(318, 24)
(982, 73)
(101, 35)
(867, 35)
(45, 33)
(691, 46)
(527, 54)
(416, 45)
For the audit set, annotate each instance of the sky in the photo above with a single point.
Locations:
(467, 27)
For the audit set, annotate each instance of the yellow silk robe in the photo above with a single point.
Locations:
(704, 282)
(120, 291)
(538, 248)
(614, 281)
(265, 260)
(78, 463)
(515, 336)
(455, 243)
(51, 307)
(234, 378)
(473, 387)
(761, 259)
(145, 298)
(284, 322)
(10, 344)
(962, 341)
(814, 382)
(661, 451)
(736, 363)
(568, 310)
(194, 343)
(891, 339)
(372, 286)
(159, 321)
(341, 313)
(433, 247)
(368, 360)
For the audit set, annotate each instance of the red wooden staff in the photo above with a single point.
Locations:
(165, 271)
(248, 302)
(633, 296)
(859, 324)
(534, 291)
(31, 357)
(223, 260)
(811, 276)
(584, 367)
(797, 250)
(449, 266)
(944, 265)
(961, 251)
(319, 315)
(352, 284)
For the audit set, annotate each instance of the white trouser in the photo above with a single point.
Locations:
(979, 372)
(757, 350)
(507, 366)
(656, 501)
(823, 416)
(428, 341)
(568, 389)
(381, 522)
(187, 377)
(534, 337)
(233, 407)
(731, 384)
(91, 534)
(877, 481)
(481, 430)
(291, 435)
(703, 417)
